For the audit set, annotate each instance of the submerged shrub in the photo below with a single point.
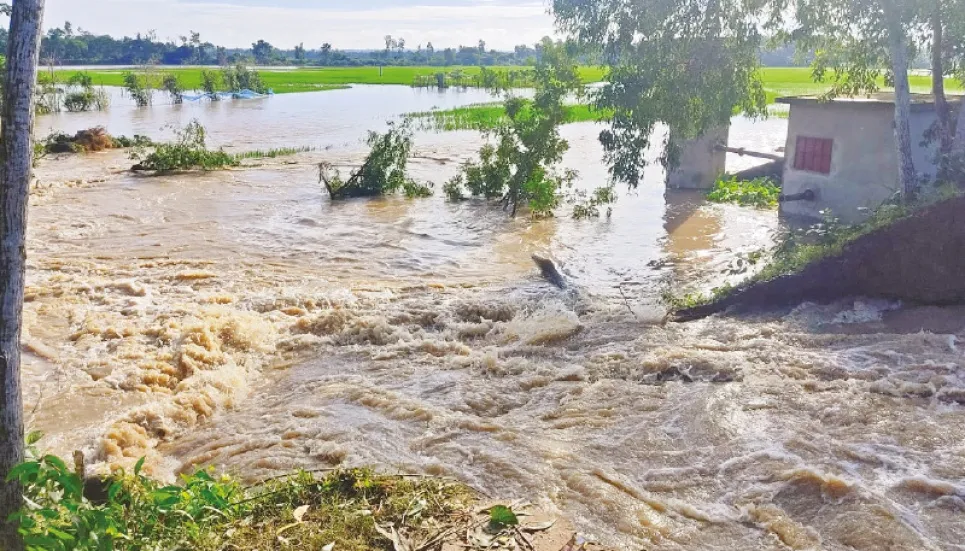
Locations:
(521, 169)
(172, 85)
(139, 87)
(759, 192)
(382, 173)
(188, 152)
(86, 141)
(211, 83)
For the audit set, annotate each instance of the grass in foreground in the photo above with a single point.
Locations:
(488, 116)
(273, 152)
(347, 510)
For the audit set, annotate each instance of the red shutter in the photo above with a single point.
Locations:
(813, 154)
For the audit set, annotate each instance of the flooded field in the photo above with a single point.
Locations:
(239, 319)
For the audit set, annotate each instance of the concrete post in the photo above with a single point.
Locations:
(700, 163)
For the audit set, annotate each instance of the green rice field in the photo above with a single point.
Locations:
(778, 81)
(488, 116)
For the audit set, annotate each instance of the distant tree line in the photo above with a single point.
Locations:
(69, 45)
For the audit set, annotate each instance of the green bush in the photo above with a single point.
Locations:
(189, 152)
(382, 173)
(759, 192)
(139, 88)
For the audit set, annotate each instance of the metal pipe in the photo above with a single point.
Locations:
(741, 151)
(806, 195)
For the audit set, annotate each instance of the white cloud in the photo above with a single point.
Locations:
(501, 25)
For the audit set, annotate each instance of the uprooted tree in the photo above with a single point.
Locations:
(383, 172)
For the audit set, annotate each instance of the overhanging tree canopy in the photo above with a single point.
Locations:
(686, 63)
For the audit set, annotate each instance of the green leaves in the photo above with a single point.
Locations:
(382, 173)
(189, 152)
(521, 168)
(759, 192)
(684, 63)
(501, 516)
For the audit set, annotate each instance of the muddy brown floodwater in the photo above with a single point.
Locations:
(238, 319)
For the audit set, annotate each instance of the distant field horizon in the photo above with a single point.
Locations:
(778, 81)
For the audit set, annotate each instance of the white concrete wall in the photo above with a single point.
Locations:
(864, 163)
(700, 163)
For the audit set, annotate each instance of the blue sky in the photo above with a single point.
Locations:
(347, 24)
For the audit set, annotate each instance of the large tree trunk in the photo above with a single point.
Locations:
(907, 178)
(938, 83)
(16, 163)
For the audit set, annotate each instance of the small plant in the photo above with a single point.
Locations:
(382, 173)
(139, 88)
(501, 516)
(48, 94)
(172, 85)
(759, 192)
(240, 77)
(211, 83)
(188, 152)
(588, 205)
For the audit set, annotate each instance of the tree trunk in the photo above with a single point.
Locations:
(938, 83)
(907, 179)
(16, 163)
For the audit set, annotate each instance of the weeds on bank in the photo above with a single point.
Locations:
(759, 192)
(188, 152)
(352, 509)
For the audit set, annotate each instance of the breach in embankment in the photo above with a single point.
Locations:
(918, 258)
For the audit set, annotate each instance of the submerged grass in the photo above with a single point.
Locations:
(273, 153)
(488, 116)
(759, 192)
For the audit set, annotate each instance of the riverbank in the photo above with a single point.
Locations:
(778, 81)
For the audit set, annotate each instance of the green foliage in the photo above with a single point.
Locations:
(273, 153)
(211, 83)
(587, 205)
(240, 77)
(48, 94)
(172, 85)
(188, 152)
(138, 86)
(82, 96)
(521, 168)
(205, 513)
(688, 64)
(382, 173)
(759, 192)
(501, 516)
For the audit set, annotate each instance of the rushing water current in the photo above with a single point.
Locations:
(239, 319)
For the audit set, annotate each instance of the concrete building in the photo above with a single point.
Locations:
(840, 155)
